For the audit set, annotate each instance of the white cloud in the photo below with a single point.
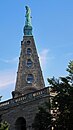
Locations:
(45, 57)
(14, 60)
(7, 78)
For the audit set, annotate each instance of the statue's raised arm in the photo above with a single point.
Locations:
(28, 16)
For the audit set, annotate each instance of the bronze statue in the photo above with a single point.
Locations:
(28, 16)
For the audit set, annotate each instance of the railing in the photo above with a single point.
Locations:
(26, 98)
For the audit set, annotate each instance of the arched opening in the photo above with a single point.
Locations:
(20, 124)
(29, 51)
(29, 63)
(30, 78)
(28, 42)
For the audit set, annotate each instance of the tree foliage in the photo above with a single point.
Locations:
(62, 104)
(43, 120)
(3, 124)
(63, 101)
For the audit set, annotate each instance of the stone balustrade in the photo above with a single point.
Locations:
(25, 98)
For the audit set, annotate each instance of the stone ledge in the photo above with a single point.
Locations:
(25, 98)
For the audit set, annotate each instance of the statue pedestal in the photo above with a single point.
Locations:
(28, 30)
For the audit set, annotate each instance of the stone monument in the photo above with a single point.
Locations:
(30, 91)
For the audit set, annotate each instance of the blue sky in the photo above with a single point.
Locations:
(52, 22)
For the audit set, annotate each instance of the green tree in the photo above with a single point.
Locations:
(43, 119)
(63, 100)
(4, 125)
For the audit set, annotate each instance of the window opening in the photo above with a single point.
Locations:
(29, 51)
(28, 42)
(29, 63)
(30, 78)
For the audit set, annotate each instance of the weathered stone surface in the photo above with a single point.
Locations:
(24, 70)
(25, 106)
